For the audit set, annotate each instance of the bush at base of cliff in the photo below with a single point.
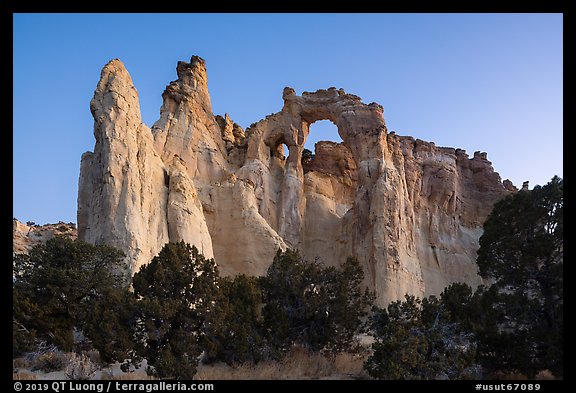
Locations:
(417, 340)
(56, 286)
(175, 294)
(234, 332)
(317, 307)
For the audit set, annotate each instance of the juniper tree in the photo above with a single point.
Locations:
(419, 340)
(56, 287)
(521, 253)
(175, 294)
(318, 307)
(234, 332)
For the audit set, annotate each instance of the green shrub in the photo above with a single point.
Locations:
(176, 293)
(56, 286)
(317, 307)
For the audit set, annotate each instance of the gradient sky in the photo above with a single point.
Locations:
(488, 82)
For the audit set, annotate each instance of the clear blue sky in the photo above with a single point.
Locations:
(489, 82)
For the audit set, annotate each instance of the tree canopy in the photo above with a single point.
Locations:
(521, 253)
(419, 340)
(175, 294)
(318, 307)
(57, 285)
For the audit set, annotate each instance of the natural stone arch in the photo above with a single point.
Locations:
(415, 215)
(356, 122)
(276, 144)
(360, 126)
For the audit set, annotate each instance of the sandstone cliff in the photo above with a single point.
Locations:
(25, 236)
(410, 211)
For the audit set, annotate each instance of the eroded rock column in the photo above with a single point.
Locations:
(122, 193)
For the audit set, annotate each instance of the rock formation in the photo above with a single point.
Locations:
(25, 236)
(123, 187)
(411, 212)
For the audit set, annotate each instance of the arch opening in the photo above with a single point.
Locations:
(280, 151)
(326, 152)
(322, 131)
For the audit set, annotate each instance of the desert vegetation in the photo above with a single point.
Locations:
(75, 310)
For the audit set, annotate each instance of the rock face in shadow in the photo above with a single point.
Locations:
(411, 212)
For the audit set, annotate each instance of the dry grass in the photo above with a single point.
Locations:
(134, 376)
(80, 367)
(23, 376)
(499, 375)
(351, 364)
(21, 363)
(545, 375)
(298, 364)
(542, 375)
(52, 361)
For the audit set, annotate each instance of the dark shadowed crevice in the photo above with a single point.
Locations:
(280, 150)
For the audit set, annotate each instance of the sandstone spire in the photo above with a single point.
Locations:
(122, 193)
(187, 127)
